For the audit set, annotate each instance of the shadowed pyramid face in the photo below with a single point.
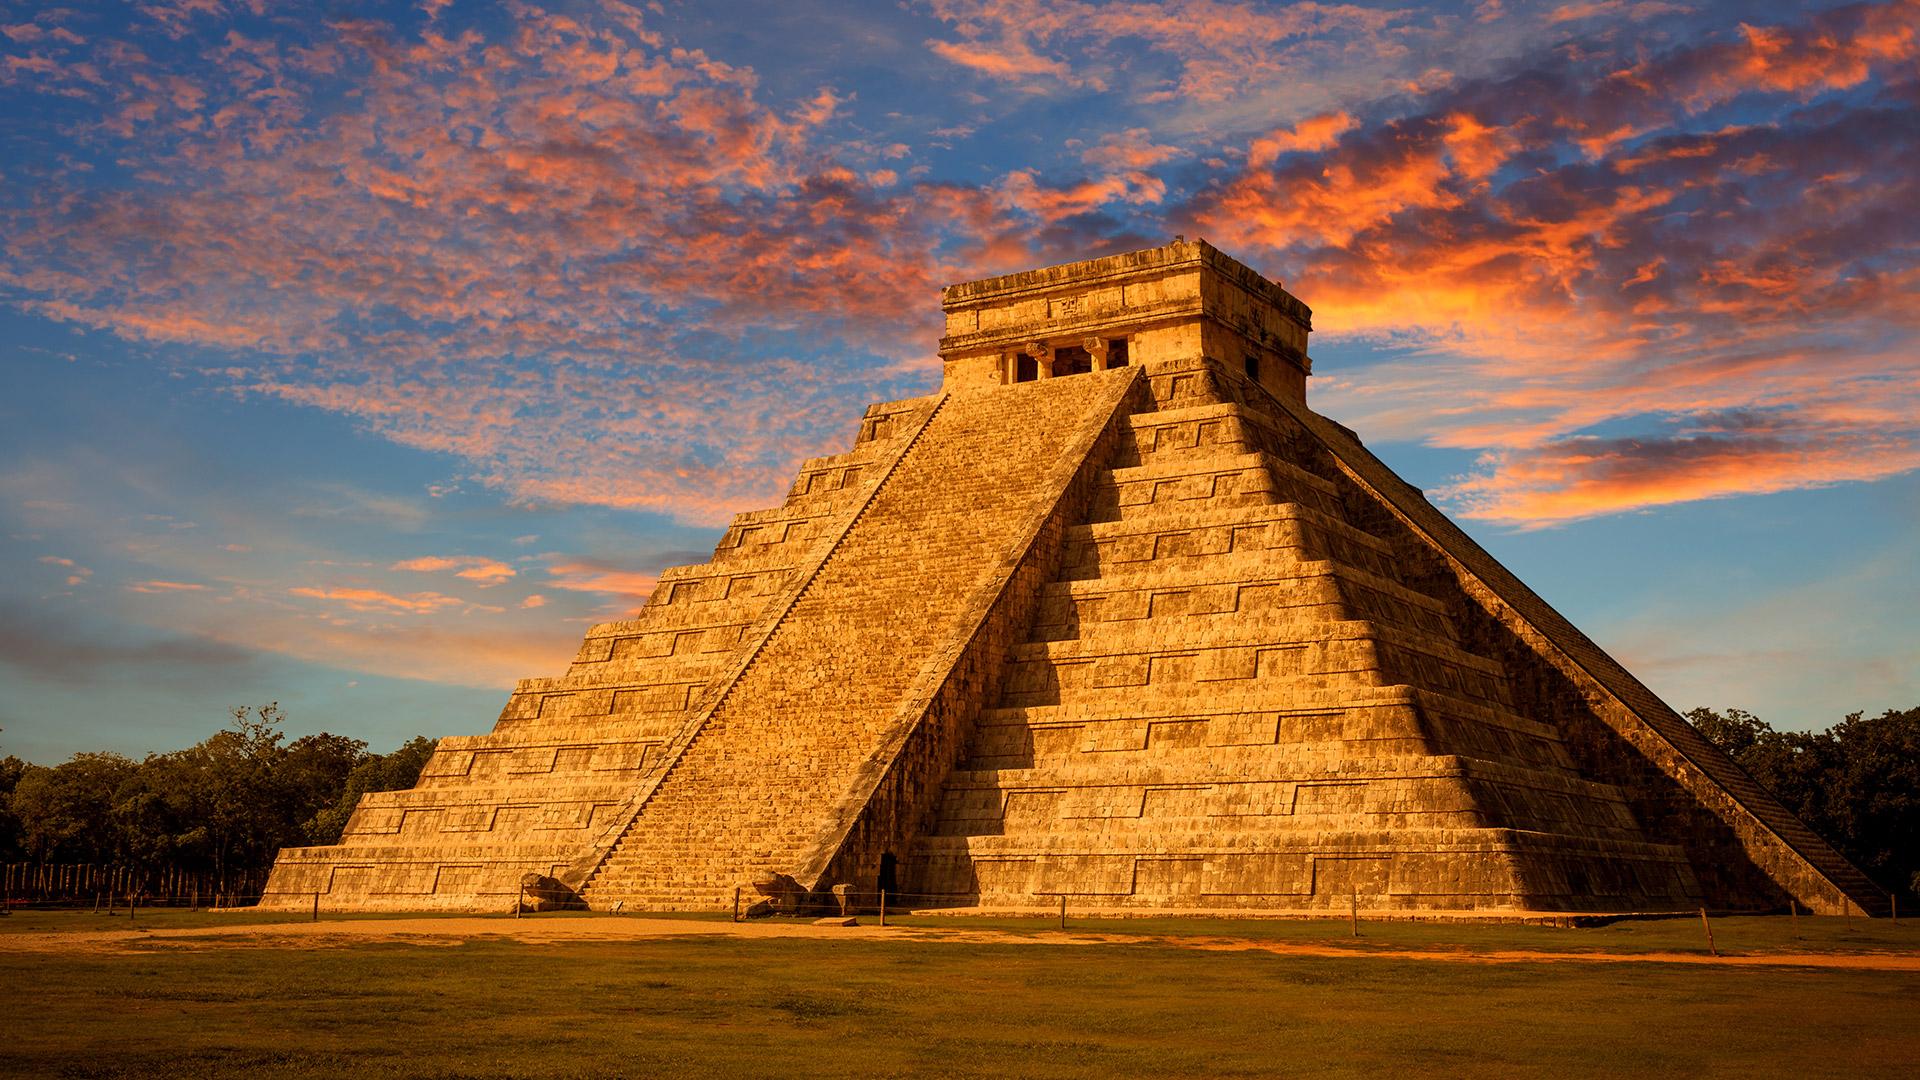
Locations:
(1114, 617)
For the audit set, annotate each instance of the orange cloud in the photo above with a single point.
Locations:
(1023, 191)
(471, 567)
(1003, 59)
(376, 600)
(1586, 477)
(1131, 150)
(592, 576)
(1313, 133)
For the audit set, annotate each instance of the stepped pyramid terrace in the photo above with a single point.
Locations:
(1112, 616)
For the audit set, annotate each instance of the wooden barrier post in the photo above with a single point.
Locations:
(1353, 912)
(316, 907)
(1794, 906)
(130, 900)
(1709, 928)
(736, 903)
(1063, 911)
(883, 907)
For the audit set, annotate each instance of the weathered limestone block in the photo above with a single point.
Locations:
(541, 892)
(780, 892)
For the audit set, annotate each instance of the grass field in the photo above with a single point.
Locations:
(946, 997)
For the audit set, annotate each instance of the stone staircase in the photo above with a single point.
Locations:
(568, 752)
(779, 751)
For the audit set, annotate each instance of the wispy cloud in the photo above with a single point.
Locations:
(598, 576)
(475, 568)
(44, 644)
(76, 574)
(377, 600)
(162, 587)
(1218, 46)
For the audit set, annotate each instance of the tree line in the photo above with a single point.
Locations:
(226, 804)
(1857, 783)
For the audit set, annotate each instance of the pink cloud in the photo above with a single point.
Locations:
(1221, 46)
(1628, 9)
(1131, 150)
(79, 574)
(166, 587)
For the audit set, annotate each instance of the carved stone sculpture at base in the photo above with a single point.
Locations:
(1112, 616)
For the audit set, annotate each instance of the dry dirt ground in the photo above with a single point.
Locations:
(540, 931)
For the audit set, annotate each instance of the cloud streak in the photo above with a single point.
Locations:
(475, 568)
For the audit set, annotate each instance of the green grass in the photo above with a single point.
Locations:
(725, 1006)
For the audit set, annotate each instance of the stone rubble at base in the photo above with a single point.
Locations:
(1113, 617)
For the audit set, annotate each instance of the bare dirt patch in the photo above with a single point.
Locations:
(453, 931)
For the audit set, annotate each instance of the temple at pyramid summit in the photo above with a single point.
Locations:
(1113, 617)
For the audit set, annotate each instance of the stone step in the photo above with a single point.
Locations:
(870, 619)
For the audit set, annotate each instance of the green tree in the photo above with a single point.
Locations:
(381, 772)
(12, 839)
(1857, 783)
(1872, 793)
(229, 802)
(234, 800)
(66, 812)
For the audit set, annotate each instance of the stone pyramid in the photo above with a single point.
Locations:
(1112, 616)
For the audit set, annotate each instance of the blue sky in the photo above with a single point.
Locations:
(362, 362)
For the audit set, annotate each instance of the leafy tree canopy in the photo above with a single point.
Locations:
(1856, 783)
(229, 802)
